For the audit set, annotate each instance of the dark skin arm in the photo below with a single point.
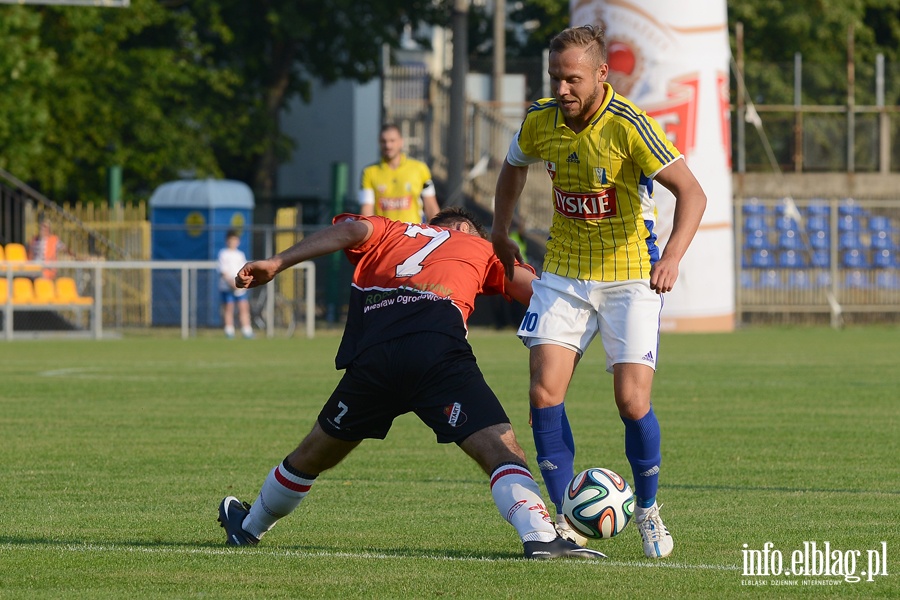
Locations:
(347, 234)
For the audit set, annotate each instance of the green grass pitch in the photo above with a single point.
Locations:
(115, 455)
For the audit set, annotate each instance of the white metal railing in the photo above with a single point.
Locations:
(104, 283)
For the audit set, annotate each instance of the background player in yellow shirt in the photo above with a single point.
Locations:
(603, 271)
(397, 187)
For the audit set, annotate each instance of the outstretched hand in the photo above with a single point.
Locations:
(256, 273)
(508, 252)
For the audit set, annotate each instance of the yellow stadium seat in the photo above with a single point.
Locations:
(23, 291)
(16, 253)
(4, 290)
(44, 291)
(2, 255)
(67, 292)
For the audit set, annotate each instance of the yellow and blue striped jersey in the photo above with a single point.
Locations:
(604, 215)
(397, 193)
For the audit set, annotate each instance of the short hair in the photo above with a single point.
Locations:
(389, 126)
(457, 214)
(232, 233)
(590, 37)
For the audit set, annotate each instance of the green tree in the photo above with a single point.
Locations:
(281, 50)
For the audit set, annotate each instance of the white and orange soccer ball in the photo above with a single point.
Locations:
(598, 503)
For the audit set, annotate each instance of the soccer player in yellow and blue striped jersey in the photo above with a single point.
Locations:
(397, 187)
(603, 271)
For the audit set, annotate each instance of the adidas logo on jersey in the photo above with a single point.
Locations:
(573, 158)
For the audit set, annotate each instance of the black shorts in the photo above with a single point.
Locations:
(429, 373)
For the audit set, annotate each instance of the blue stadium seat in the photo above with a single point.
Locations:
(792, 259)
(757, 239)
(823, 279)
(850, 207)
(849, 223)
(817, 223)
(770, 279)
(880, 223)
(818, 207)
(747, 279)
(799, 279)
(784, 223)
(760, 259)
(819, 240)
(889, 280)
(754, 222)
(821, 259)
(850, 240)
(790, 240)
(854, 259)
(752, 206)
(856, 279)
(882, 240)
(884, 259)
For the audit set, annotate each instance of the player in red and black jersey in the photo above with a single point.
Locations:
(405, 350)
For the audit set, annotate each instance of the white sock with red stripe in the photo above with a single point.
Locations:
(283, 490)
(519, 501)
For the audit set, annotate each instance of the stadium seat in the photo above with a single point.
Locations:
(770, 279)
(880, 223)
(754, 222)
(752, 206)
(818, 207)
(67, 292)
(16, 253)
(44, 291)
(850, 207)
(785, 223)
(790, 240)
(819, 240)
(850, 240)
(2, 255)
(761, 259)
(799, 279)
(821, 259)
(849, 223)
(747, 279)
(817, 223)
(23, 291)
(791, 259)
(854, 259)
(756, 239)
(889, 280)
(856, 279)
(884, 259)
(4, 290)
(882, 240)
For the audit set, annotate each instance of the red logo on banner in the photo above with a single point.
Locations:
(678, 115)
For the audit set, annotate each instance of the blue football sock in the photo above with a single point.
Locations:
(642, 448)
(555, 450)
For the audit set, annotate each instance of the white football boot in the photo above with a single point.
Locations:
(565, 531)
(657, 539)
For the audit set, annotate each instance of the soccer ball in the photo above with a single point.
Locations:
(598, 503)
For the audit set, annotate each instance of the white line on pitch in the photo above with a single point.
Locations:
(327, 554)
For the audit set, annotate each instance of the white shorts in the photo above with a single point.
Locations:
(570, 312)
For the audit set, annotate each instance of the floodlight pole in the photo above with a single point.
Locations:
(456, 142)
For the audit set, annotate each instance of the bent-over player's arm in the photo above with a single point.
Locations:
(346, 234)
(519, 288)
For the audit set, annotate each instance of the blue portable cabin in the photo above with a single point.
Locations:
(189, 220)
